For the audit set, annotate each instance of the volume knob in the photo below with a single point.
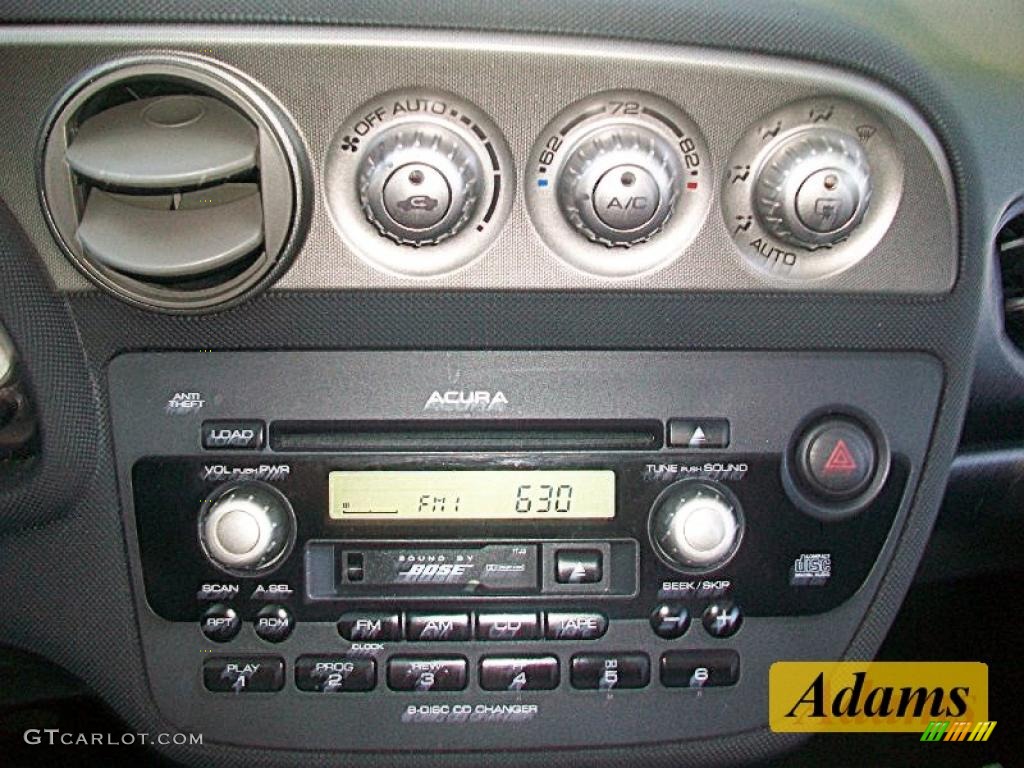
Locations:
(696, 525)
(419, 184)
(814, 189)
(247, 528)
(618, 185)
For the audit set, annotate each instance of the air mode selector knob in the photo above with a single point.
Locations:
(247, 528)
(815, 188)
(696, 525)
(618, 186)
(419, 184)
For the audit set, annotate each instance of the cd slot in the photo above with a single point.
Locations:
(465, 436)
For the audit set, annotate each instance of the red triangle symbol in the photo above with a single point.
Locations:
(840, 460)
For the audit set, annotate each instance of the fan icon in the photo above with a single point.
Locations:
(349, 143)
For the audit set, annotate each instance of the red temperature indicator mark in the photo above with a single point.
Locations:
(691, 185)
(840, 461)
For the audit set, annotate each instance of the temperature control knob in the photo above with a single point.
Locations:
(618, 185)
(814, 189)
(419, 184)
(696, 525)
(247, 528)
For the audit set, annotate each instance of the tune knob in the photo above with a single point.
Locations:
(814, 189)
(618, 185)
(696, 525)
(419, 184)
(247, 528)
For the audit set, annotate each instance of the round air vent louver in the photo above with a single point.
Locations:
(173, 182)
(1010, 248)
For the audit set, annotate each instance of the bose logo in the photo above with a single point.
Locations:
(435, 572)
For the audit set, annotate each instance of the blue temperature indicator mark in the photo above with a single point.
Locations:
(542, 182)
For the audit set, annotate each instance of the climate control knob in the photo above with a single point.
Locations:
(618, 186)
(247, 528)
(696, 525)
(419, 184)
(814, 189)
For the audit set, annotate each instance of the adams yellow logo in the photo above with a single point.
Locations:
(810, 696)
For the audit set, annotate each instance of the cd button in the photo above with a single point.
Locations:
(220, 623)
(443, 673)
(609, 671)
(527, 674)
(576, 625)
(243, 674)
(578, 566)
(370, 626)
(507, 626)
(699, 669)
(335, 674)
(437, 627)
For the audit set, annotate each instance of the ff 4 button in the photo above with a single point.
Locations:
(529, 674)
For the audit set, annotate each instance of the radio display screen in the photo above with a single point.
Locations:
(500, 494)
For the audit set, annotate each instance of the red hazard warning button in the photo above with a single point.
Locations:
(836, 458)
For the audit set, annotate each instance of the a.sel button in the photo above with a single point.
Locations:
(335, 674)
(699, 669)
(519, 674)
(507, 626)
(243, 674)
(610, 671)
(370, 626)
(573, 625)
(439, 673)
(437, 627)
(232, 435)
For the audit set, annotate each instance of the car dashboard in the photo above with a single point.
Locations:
(498, 382)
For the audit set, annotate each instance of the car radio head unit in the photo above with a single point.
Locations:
(353, 523)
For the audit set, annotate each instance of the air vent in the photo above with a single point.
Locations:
(173, 183)
(1010, 247)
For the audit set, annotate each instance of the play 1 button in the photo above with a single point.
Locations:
(836, 459)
